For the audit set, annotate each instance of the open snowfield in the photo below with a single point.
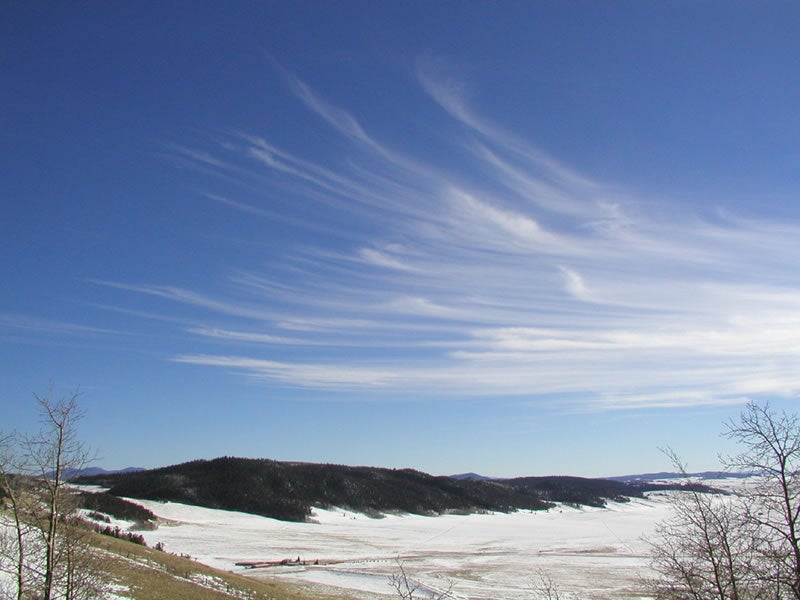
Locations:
(599, 553)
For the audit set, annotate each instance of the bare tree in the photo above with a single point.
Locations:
(545, 588)
(745, 545)
(706, 549)
(13, 492)
(771, 448)
(409, 589)
(50, 555)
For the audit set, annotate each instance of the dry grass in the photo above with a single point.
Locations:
(143, 573)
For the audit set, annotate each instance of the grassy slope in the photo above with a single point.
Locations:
(149, 574)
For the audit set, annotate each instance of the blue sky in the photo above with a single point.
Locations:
(515, 238)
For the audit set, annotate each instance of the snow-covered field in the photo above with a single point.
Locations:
(598, 553)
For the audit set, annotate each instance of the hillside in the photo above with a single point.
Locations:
(139, 573)
(127, 569)
(287, 491)
(576, 490)
(671, 476)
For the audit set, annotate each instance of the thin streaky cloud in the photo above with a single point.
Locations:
(37, 325)
(339, 119)
(576, 285)
(534, 189)
(312, 375)
(337, 190)
(449, 92)
(343, 121)
(384, 259)
(188, 297)
(141, 314)
(316, 337)
(537, 280)
(241, 206)
(245, 336)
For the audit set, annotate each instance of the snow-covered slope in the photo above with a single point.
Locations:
(485, 556)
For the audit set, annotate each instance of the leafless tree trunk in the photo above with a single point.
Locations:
(55, 449)
(12, 552)
(408, 589)
(82, 567)
(771, 442)
(705, 551)
(51, 553)
(545, 588)
(743, 546)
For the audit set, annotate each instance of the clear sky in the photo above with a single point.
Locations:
(515, 238)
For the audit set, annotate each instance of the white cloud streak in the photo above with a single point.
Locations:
(538, 282)
(16, 323)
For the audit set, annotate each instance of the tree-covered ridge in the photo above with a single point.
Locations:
(595, 492)
(576, 490)
(287, 490)
(114, 506)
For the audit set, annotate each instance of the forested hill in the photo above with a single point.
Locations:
(578, 490)
(287, 491)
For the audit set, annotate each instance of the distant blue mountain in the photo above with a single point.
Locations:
(92, 471)
(639, 478)
(671, 475)
(472, 476)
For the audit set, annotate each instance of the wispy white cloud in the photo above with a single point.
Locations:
(339, 119)
(510, 227)
(516, 275)
(322, 376)
(244, 336)
(575, 284)
(415, 306)
(188, 297)
(383, 258)
(241, 206)
(40, 325)
(436, 78)
(17, 323)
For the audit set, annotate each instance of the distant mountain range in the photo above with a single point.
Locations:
(92, 471)
(473, 476)
(704, 475)
(643, 477)
(288, 490)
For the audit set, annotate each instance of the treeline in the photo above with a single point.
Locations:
(120, 534)
(94, 502)
(576, 490)
(287, 491)
(102, 506)
(581, 491)
(109, 504)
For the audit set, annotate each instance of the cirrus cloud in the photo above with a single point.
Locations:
(538, 281)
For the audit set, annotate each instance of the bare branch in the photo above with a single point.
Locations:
(409, 589)
(49, 554)
(545, 588)
(743, 546)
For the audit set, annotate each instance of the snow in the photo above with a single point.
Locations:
(597, 552)
(8, 585)
(8, 582)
